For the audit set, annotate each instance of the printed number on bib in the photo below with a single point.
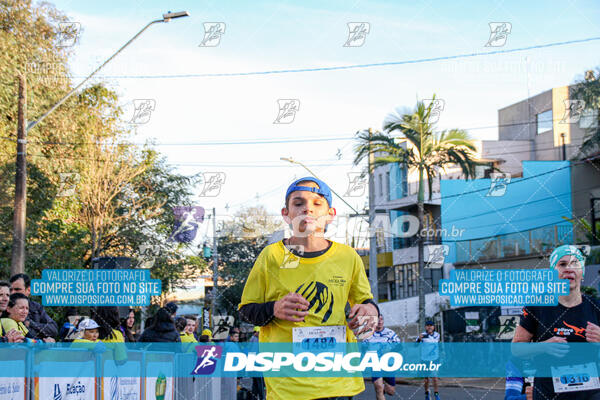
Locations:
(575, 378)
(319, 343)
(319, 337)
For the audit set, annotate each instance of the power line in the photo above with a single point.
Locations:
(355, 66)
(257, 141)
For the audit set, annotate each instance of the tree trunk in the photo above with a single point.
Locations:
(420, 244)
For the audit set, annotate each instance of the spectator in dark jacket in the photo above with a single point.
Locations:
(39, 323)
(162, 329)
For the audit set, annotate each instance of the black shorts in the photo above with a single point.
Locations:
(390, 380)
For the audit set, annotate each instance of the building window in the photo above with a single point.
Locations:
(387, 184)
(403, 281)
(397, 183)
(380, 184)
(544, 121)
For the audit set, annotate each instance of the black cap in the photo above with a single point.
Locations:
(429, 322)
(171, 307)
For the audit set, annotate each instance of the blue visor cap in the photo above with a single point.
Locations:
(323, 189)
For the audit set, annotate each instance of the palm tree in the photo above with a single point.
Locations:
(427, 152)
(588, 91)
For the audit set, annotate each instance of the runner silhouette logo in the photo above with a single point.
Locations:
(207, 359)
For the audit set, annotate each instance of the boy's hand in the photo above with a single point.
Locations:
(363, 320)
(292, 307)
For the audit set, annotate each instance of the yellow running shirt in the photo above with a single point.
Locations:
(328, 282)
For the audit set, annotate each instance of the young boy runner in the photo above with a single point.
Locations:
(429, 353)
(306, 281)
(385, 385)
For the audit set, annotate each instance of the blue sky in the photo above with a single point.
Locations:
(264, 35)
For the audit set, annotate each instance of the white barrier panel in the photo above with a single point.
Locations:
(121, 388)
(121, 382)
(79, 387)
(159, 370)
(13, 388)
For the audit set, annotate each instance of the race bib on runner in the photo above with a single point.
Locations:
(319, 337)
(574, 378)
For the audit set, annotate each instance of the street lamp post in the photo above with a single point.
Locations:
(19, 222)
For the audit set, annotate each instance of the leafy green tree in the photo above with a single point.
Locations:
(240, 242)
(125, 194)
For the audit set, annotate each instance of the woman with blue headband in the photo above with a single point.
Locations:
(576, 318)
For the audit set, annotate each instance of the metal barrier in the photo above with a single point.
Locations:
(120, 382)
(146, 375)
(47, 382)
(15, 388)
(202, 387)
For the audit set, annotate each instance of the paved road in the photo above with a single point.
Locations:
(411, 392)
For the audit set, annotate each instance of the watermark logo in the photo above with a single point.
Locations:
(207, 359)
(437, 106)
(357, 182)
(68, 184)
(573, 111)
(187, 221)
(435, 255)
(287, 111)
(48, 73)
(142, 111)
(498, 184)
(357, 33)
(499, 32)
(147, 255)
(212, 34)
(213, 182)
(68, 32)
(291, 258)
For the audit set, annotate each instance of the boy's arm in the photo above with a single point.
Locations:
(261, 314)
(258, 313)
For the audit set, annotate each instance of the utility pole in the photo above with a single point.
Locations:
(372, 238)
(215, 254)
(18, 245)
(18, 248)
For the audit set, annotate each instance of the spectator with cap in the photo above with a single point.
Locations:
(206, 336)
(90, 331)
(172, 308)
(38, 322)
